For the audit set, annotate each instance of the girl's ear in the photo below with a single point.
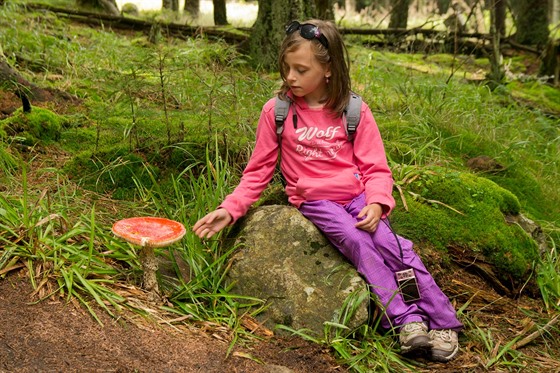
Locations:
(328, 72)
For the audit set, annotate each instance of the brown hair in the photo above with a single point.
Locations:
(336, 55)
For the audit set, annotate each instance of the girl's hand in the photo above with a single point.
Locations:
(212, 223)
(371, 215)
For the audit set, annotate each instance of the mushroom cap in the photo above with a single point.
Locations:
(149, 231)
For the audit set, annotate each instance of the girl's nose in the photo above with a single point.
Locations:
(291, 76)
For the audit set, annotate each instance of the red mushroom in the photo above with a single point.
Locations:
(149, 233)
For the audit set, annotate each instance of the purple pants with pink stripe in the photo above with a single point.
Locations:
(377, 257)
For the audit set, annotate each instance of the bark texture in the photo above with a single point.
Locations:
(532, 22)
(268, 31)
(220, 12)
(399, 14)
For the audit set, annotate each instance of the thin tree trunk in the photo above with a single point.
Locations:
(496, 75)
(170, 5)
(532, 22)
(325, 9)
(268, 30)
(220, 12)
(192, 7)
(399, 14)
(500, 7)
(443, 6)
(554, 11)
(550, 65)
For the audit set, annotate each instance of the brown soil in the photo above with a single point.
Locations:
(56, 335)
(53, 335)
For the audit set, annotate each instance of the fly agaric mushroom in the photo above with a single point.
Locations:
(149, 233)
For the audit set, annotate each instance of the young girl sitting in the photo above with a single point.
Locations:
(343, 186)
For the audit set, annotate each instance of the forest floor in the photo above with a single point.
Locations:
(56, 335)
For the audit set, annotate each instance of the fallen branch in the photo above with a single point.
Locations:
(237, 35)
(531, 337)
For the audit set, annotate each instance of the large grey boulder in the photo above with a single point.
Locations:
(284, 259)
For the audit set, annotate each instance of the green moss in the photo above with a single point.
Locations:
(539, 94)
(113, 171)
(467, 211)
(468, 192)
(38, 125)
(538, 201)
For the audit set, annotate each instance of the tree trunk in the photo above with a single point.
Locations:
(399, 14)
(192, 7)
(268, 31)
(500, 18)
(443, 6)
(360, 5)
(550, 65)
(554, 11)
(220, 12)
(172, 5)
(497, 74)
(325, 9)
(532, 22)
(108, 6)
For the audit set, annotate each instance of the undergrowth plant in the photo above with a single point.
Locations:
(548, 278)
(198, 189)
(362, 349)
(60, 252)
(451, 122)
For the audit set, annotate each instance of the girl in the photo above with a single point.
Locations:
(344, 187)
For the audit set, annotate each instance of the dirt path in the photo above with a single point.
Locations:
(55, 336)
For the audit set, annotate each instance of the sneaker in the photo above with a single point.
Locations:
(445, 344)
(413, 337)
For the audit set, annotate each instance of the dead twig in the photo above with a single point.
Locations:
(528, 339)
(433, 201)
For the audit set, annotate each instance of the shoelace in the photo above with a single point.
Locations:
(412, 327)
(444, 335)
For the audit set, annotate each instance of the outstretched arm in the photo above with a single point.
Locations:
(212, 223)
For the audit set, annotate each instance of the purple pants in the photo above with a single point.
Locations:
(377, 257)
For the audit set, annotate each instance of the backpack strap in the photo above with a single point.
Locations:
(281, 108)
(352, 113)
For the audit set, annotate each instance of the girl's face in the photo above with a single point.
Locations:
(305, 75)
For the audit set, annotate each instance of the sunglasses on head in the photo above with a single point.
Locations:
(307, 31)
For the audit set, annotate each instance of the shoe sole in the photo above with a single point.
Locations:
(419, 347)
(445, 359)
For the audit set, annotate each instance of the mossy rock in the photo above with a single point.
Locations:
(461, 210)
(33, 127)
(130, 9)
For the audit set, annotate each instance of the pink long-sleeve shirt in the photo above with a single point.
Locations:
(317, 160)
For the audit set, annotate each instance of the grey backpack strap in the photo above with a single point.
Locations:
(281, 108)
(352, 112)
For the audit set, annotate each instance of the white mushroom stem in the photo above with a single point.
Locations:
(149, 266)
